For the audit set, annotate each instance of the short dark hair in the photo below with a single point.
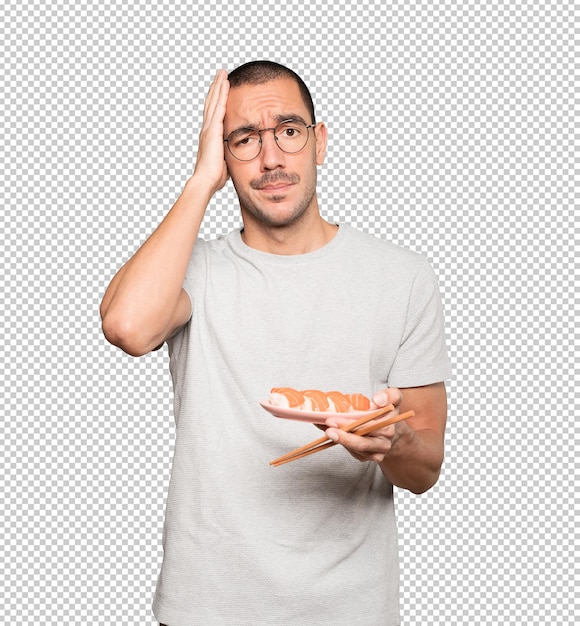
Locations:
(258, 72)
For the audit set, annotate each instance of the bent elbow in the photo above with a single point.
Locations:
(123, 334)
(426, 482)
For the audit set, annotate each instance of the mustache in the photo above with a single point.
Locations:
(274, 177)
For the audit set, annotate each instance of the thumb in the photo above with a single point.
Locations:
(381, 398)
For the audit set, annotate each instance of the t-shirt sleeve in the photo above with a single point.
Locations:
(196, 271)
(422, 357)
(194, 276)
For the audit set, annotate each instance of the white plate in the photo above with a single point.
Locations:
(314, 417)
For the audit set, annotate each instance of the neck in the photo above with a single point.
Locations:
(302, 237)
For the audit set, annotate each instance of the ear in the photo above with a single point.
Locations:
(321, 135)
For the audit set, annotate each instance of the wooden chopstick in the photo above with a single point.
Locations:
(324, 443)
(357, 427)
(294, 456)
(347, 428)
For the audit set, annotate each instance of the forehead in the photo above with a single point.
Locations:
(258, 105)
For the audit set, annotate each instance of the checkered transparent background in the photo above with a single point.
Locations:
(451, 132)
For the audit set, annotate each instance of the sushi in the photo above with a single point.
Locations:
(316, 400)
(286, 397)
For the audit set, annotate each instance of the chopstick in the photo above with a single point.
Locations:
(327, 443)
(347, 428)
(357, 427)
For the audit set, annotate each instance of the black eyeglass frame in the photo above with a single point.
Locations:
(263, 130)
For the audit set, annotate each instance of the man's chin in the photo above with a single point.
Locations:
(278, 199)
(275, 218)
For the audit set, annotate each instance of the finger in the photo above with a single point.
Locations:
(380, 398)
(215, 86)
(336, 421)
(369, 447)
(217, 95)
(387, 432)
(392, 395)
(352, 440)
(346, 421)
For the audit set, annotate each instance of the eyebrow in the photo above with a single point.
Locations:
(280, 117)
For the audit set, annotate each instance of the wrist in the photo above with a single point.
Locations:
(199, 187)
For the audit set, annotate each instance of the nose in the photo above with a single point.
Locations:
(271, 155)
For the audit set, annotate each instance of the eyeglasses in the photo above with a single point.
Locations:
(245, 144)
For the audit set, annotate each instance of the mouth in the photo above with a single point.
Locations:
(276, 187)
(275, 182)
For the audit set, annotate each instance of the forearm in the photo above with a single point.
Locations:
(141, 300)
(145, 301)
(414, 462)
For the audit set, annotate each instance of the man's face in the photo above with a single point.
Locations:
(276, 188)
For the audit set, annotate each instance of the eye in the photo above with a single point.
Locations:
(290, 130)
(244, 137)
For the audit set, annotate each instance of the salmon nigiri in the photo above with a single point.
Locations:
(318, 399)
(339, 403)
(286, 397)
(359, 401)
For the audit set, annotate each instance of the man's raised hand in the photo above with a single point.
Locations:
(210, 167)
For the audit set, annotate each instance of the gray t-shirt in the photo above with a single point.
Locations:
(313, 542)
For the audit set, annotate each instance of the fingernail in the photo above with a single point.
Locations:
(380, 398)
(331, 434)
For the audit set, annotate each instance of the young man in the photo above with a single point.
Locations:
(289, 300)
